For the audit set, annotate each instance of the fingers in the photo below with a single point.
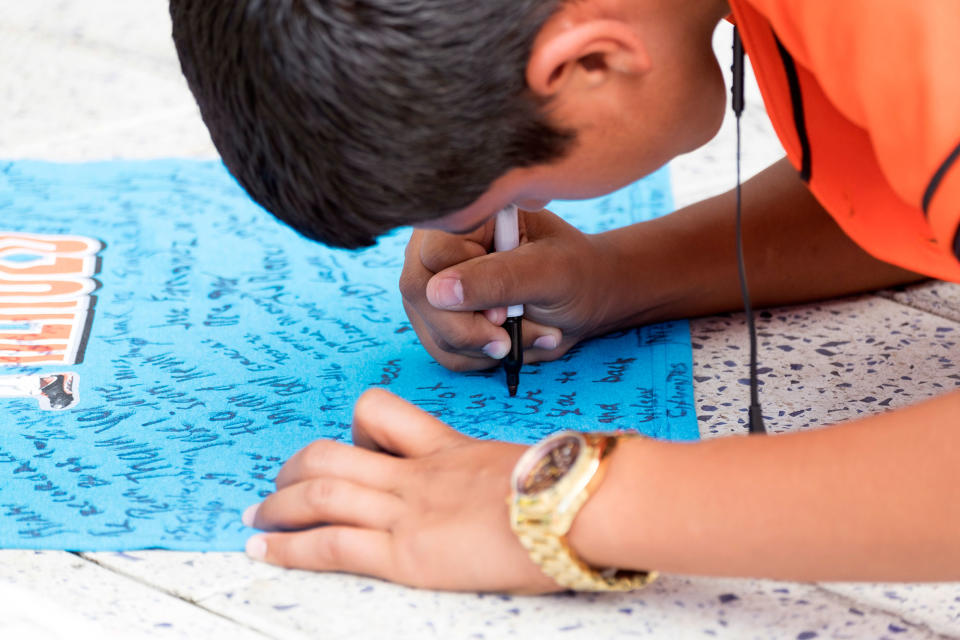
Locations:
(325, 500)
(487, 284)
(438, 250)
(462, 333)
(540, 342)
(328, 458)
(478, 336)
(383, 421)
(334, 548)
(456, 340)
(530, 274)
(457, 313)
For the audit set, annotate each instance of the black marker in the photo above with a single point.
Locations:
(506, 236)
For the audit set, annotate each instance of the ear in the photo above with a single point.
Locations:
(585, 54)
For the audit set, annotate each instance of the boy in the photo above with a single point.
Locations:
(346, 118)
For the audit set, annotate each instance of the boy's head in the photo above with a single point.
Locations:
(346, 118)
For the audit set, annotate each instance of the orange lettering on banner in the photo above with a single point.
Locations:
(45, 301)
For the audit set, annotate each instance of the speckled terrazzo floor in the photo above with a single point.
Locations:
(89, 79)
(824, 363)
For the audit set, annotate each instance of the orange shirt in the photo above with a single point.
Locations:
(865, 96)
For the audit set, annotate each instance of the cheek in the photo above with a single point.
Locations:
(606, 175)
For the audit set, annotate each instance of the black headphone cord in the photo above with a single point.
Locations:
(754, 413)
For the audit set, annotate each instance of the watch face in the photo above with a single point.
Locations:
(549, 465)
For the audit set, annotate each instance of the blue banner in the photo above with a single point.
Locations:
(165, 345)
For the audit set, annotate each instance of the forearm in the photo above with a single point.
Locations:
(794, 252)
(876, 499)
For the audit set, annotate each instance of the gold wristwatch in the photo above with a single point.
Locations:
(550, 483)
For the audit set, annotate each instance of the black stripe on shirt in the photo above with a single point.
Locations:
(938, 178)
(796, 98)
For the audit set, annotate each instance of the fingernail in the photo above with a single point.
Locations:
(250, 514)
(546, 342)
(448, 292)
(256, 547)
(496, 349)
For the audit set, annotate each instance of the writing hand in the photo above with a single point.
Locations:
(455, 291)
(414, 502)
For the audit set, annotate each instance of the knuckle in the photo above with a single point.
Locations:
(436, 345)
(458, 337)
(438, 250)
(411, 286)
(499, 286)
(319, 494)
(452, 361)
(443, 345)
(441, 250)
(331, 548)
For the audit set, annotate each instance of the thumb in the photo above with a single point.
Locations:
(520, 276)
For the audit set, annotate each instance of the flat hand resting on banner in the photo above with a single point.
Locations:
(414, 502)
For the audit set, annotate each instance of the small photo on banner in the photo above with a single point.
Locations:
(46, 286)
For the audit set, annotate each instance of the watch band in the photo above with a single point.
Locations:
(541, 521)
(557, 560)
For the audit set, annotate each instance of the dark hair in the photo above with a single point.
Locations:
(346, 118)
